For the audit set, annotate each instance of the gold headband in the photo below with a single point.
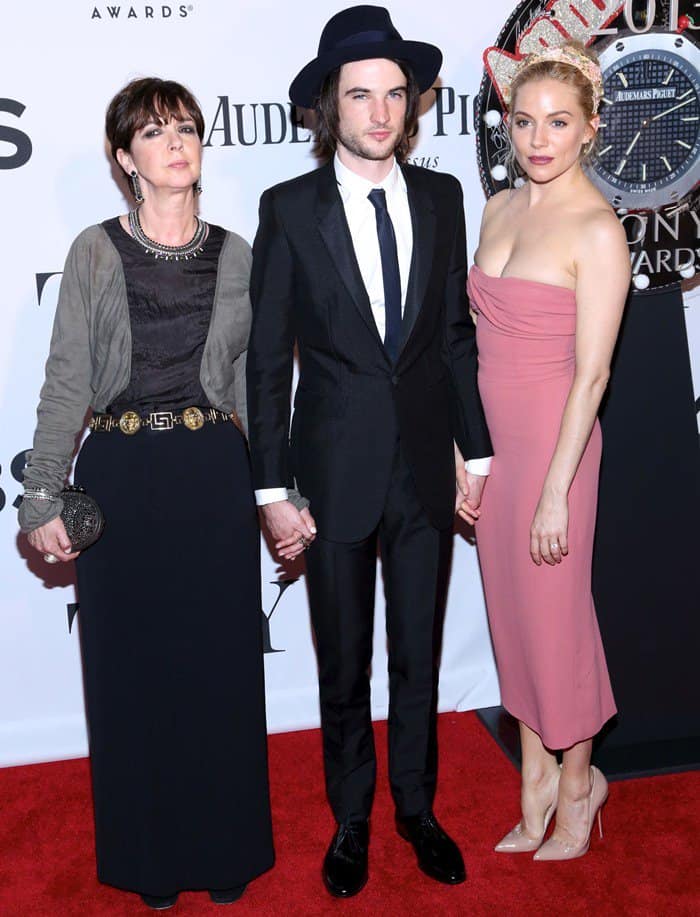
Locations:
(563, 55)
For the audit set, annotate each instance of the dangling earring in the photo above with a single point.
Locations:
(136, 186)
(198, 186)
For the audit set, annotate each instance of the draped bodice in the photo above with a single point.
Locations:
(525, 329)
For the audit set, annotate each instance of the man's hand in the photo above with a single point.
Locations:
(469, 506)
(461, 476)
(469, 489)
(292, 531)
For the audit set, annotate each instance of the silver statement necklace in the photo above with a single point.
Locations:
(168, 252)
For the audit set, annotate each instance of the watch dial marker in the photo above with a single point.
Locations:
(644, 171)
(605, 149)
(665, 161)
(622, 78)
(632, 144)
(668, 77)
(662, 114)
(684, 144)
(685, 94)
(618, 170)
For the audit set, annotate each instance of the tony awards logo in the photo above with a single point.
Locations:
(140, 11)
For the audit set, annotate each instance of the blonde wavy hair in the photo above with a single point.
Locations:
(577, 76)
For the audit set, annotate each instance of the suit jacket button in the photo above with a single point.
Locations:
(394, 380)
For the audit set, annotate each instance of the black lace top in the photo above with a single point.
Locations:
(170, 305)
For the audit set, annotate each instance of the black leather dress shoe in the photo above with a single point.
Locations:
(345, 865)
(227, 895)
(159, 902)
(438, 855)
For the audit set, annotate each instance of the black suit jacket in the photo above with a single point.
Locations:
(352, 405)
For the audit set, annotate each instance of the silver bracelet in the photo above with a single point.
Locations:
(39, 493)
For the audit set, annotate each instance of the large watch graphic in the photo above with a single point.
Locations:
(647, 155)
(648, 149)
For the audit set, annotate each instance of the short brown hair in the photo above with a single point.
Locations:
(144, 101)
(328, 118)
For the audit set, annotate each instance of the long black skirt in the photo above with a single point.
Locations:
(172, 659)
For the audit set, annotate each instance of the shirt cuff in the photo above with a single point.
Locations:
(480, 466)
(270, 495)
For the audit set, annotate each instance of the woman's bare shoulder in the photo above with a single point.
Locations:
(498, 203)
(500, 199)
(599, 225)
(600, 244)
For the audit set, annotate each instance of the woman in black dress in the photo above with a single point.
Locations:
(151, 330)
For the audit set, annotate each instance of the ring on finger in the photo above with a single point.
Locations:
(50, 558)
(554, 546)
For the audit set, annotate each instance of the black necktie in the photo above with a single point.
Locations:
(390, 273)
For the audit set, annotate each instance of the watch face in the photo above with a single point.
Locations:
(648, 148)
(647, 156)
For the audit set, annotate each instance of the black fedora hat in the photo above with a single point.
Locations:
(363, 33)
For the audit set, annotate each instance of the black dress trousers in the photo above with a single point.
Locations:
(341, 581)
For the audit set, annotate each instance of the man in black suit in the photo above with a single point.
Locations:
(362, 264)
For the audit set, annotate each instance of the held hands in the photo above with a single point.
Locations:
(548, 532)
(51, 541)
(468, 491)
(292, 531)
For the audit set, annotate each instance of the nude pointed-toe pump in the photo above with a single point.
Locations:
(555, 849)
(517, 841)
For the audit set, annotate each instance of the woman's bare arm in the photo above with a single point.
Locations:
(602, 283)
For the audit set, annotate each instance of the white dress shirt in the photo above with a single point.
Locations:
(362, 221)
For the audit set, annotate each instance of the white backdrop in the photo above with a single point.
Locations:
(62, 62)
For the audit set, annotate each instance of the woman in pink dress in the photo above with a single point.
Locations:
(549, 286)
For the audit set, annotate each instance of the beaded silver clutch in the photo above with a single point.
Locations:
(81, 516)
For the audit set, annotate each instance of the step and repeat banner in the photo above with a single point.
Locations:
(62, 63)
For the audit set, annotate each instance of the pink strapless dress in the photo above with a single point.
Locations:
(549, 655)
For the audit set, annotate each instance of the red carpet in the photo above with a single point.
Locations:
(647, 863)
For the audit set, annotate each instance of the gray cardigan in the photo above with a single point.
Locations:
(89, 360)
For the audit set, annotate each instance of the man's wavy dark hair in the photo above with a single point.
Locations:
(328, 118)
